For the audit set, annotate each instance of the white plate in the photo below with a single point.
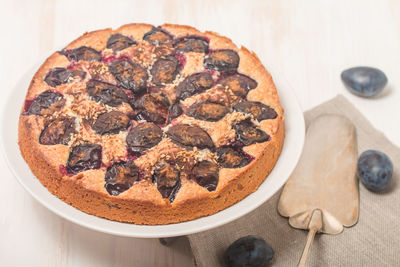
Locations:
(294, 123)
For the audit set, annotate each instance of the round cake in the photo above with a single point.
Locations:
(151, 125)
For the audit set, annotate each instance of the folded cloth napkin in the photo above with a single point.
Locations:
(373, 241)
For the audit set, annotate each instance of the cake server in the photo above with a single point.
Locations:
(321, 195)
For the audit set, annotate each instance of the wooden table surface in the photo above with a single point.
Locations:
(309, 42)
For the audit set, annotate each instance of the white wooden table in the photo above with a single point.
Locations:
(310, 42)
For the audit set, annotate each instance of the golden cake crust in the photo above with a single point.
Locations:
(142, 203)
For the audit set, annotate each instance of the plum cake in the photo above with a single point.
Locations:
(151, 125)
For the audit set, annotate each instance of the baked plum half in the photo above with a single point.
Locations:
(164, 70)
(158, 36)
(174, 111)
(205, 173)
(151, 109)
(258, 110)
(130, 75)
(247, 133)
(58, 76)
(84, 157)
(58, 131)
(168, 181)
(142, 137)
(106, 93)
(190, 136)
(224, 60)
(83, 53)
(207, 111)
(194, 84)
(191, 44)
(111, 123)
(45, 103)
(120, 177)
(118, 42)
(239, 84)
(230, 157)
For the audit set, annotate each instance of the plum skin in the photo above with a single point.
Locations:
(249, 251)
(375, 170)
(364, 81)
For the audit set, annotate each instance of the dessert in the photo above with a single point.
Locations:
(151, 125)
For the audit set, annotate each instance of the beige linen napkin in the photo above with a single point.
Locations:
(373, 241)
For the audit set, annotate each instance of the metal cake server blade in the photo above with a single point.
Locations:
(322, 193)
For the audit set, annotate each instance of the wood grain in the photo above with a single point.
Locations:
(310, 42)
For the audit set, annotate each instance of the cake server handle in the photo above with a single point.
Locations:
(314, 226)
